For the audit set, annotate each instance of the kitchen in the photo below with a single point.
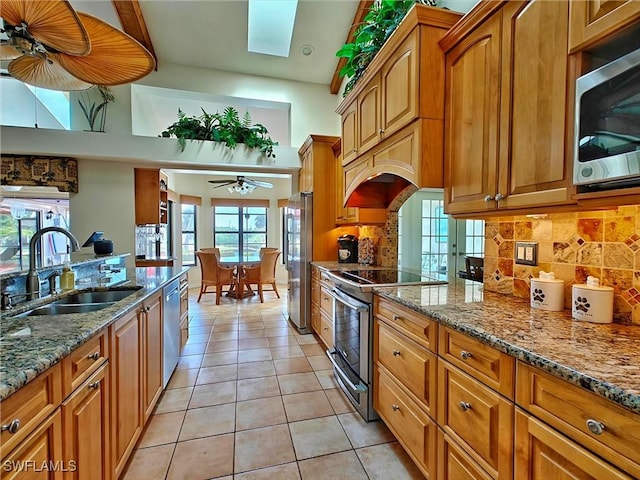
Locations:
(557, 228)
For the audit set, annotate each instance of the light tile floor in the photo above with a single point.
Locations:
(252, 399)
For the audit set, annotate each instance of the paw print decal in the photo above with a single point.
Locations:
(538, 295)
(582, 304)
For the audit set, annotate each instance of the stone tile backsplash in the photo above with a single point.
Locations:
(604, 244)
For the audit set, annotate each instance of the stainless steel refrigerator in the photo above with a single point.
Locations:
(298, 238)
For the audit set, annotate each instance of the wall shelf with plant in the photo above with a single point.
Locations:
(226, 127)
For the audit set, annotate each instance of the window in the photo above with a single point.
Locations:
(189, 246)
(239, 232)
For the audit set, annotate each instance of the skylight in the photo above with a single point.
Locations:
(271, 26)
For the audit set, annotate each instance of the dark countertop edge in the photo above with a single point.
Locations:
(601, 388)
(20, 378)
(74, 263)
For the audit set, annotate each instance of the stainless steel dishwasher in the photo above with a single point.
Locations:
(171, 337)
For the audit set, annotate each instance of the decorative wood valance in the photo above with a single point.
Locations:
(25, 170)
(173, 196)
(191, 200)
(239, 202)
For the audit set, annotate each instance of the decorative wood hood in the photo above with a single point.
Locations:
(393, 120)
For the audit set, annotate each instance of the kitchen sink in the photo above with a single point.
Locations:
(95, 297)
(62, 309)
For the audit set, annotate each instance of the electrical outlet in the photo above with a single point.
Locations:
(526, 253)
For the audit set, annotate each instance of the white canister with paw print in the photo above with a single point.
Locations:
(591, 302)
(547, 292)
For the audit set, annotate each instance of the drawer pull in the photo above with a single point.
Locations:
(12, 427)
(94, 386)
(464, 406)
(595, 427)
(396, 353)
(397, 318)
(94, 356)
(395, 408)
(146, 309)
(465, 355)
(325, 328)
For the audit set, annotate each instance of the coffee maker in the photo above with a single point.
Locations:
(347, 249)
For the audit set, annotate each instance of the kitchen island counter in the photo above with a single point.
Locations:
(30, 345)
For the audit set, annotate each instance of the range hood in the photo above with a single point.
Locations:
(378, 192)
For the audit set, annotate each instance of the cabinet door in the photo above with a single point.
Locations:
(349, 144)
(472, 70)
(126, 397)
(455, 464)
(151, 318)
(535, 154)
(42, 447)
(592, 20)
(305, 179)
(368, 118)
(150, 196)
(542, 454)
(85, 416)
(399, 80)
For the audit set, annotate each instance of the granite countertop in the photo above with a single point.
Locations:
(602, 358)
(30, 345)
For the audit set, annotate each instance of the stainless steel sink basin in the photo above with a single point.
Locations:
(62, 309)
(95, 297)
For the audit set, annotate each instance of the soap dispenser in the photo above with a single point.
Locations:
(592, 302)
(547, 292)
(68, 278)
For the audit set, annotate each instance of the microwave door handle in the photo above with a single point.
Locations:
(356, 388)
(345, 300)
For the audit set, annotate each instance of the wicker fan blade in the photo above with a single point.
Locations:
(52, 22)
(41, 73)
(115, 58)
(7, 52)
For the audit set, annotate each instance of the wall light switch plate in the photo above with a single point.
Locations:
(527, 253)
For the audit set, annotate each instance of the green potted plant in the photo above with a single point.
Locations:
(383, 18)
(226, 127)
(95, 110)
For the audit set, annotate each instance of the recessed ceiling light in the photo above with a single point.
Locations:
(306, 50)
(271, 26)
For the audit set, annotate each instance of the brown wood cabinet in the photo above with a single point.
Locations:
(509, 96)
(315, 300)
(87, 430)
(150, 317)
(151, 196)
(594, 20)
(184, 310)
(326, 317)
(455, 464)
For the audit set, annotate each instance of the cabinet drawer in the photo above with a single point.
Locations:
(542, 452)
(184, 302)
(315, 292)
(477, 418)
(29, 406)
(326, 302)
(418, 328)
(326, 330)
(83, 361)
(455, 464)
(411, 426)
(410, 364)
(572, 410)
(483, 362)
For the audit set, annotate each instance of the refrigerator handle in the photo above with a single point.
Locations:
(285, 240)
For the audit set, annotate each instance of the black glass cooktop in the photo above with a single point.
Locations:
(376, 277)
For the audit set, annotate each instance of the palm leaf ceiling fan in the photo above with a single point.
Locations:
(242, 185)
(50, 45)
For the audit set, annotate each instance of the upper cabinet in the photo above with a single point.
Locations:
(594, 20)
(508, 120)
(151, 196)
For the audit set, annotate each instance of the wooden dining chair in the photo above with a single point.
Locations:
(267, 249)
(263, 272)
(214, 275)
(215, 250)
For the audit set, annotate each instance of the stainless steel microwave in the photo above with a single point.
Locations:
(607, 130)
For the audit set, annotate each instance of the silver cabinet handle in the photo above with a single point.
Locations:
(381, 131)
(465, 355)
(488, 198)
(12, 427)
(147, 308)
(464, 406)
(397, 318)
(395, 407)
(595, 427)
(499, 197)
(94, 386)
(94, 356)
(396, 353)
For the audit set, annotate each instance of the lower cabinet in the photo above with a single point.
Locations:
(454, 463)
(184, 310)
(85, 418)
(151, 320)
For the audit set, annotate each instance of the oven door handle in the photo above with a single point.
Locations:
(357, 388)
(348, 301)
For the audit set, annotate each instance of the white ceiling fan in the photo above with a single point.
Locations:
(241, 185)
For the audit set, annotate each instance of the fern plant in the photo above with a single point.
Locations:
(226, 127)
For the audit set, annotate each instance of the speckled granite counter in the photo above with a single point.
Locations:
(30, 345)
(602, 358)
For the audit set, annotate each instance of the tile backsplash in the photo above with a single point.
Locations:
(604, 244)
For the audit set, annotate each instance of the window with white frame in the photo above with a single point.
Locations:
(189, 229)
(239, 232)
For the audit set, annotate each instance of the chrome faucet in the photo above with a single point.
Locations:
(33, 282)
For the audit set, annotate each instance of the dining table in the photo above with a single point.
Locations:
(239, 289)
